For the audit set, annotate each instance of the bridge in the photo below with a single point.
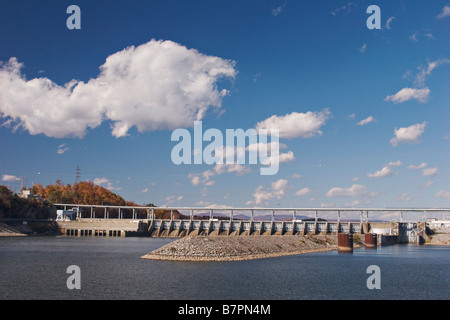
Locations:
(148, 213)
(104, 220)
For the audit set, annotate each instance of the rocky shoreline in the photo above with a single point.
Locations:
(439, 236)
(220, 248)
(7, 231)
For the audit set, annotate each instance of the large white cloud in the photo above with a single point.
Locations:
(409, 134)
(296, 124)
(157, 85)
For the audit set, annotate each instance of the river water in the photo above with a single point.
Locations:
(111, 268)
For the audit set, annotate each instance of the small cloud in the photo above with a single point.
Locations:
(296, 124)
(345, 8)
(9, 178)
(419, 166)
(406, 94)
(296, 176)
(278, 191)
(172, 199)
(362, 49)
(327, 205)
(365, 121)
(100, 181)
(356, 190)
(382, 173)
(442, 194)
(409, 134)
(403, 197)
(62, 148)
(388, 22)
(413, 37)
(386, 171)
(303, 192)
(145, 190)
(425, 72)
(277, 11)
(106, 183)
(428, 184)
(430, 172)
(444, 13)
(355, 178)
(429, 35)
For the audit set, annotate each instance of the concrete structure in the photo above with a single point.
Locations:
(370, 240)
(143, 223)
(65, 215)
(434, 223)
(345, 242)
(103, 228)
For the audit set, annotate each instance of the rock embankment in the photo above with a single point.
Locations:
(7, 231)
(222, 248)
(439, 236)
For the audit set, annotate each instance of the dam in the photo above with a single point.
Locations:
(148, 226)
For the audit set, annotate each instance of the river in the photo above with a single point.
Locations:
(111, 268)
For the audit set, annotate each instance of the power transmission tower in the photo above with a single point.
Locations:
(22, 183)
(77, 179)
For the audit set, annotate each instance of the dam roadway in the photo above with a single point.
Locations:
(142, 222)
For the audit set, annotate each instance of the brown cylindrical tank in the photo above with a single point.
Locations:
(370, 240)
(345, 242)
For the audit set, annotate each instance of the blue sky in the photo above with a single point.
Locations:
(368, 109)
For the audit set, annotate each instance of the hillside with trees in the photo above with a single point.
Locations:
(87, 193)
(14, 207)
(91, 194)
(79, 193)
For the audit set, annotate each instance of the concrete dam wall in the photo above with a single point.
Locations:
(180, 228)
(401, 232)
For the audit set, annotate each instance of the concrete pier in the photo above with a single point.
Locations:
(345, 242)
(370, 240)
